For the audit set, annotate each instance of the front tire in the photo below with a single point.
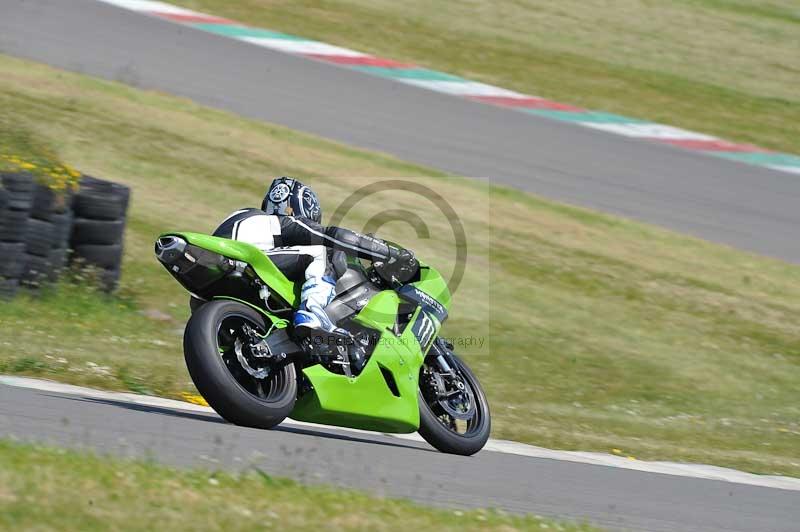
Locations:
(442, 431)
(233, 393)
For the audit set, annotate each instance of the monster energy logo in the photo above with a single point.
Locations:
(424, 329)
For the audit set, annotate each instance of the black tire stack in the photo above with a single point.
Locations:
(97, 232)
(41, 231)
(16, 201)
(47, 236)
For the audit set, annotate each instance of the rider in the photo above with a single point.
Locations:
(287, 228)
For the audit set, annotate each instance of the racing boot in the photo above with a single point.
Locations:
(310, 320)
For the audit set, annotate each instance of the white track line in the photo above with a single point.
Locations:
(790, 169)
(301, 47)
(499, 446)
(654, 131)
(462, 88)
(151, 6)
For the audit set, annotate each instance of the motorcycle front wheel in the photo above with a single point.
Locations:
(453, 410)
(215, 345)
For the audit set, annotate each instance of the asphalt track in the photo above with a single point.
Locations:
(607, 496)
(744, 206)
(740, 205)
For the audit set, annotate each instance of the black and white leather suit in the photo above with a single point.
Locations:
(301, 249)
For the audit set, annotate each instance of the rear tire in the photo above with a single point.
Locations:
(195, 304)
(434, 431)
(213, 377)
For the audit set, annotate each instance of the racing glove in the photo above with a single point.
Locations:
(400, 267)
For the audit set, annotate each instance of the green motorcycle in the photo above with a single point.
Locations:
(393, 374)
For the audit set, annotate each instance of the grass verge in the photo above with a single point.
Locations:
(600, 333)
(20, 151)
(76, 491)
(726, 67)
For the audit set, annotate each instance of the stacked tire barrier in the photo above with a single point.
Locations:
(41, 231)
(100, 209)
(16, 201)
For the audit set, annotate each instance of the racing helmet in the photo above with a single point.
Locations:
(289, 197)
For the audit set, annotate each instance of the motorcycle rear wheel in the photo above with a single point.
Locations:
(237, 396)
(443, 432)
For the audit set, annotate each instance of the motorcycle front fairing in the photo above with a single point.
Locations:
(384, 396)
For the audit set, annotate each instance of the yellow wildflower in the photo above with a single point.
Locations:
(193, 398)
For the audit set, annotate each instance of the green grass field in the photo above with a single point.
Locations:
(725, 67)
(601, 333)
(72, 491)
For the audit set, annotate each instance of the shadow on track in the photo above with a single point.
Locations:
(214, 418)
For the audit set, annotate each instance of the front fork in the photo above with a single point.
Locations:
(447, 384)
(443, 355)
(446, 381)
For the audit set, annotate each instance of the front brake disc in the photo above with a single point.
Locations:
(461, 404)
